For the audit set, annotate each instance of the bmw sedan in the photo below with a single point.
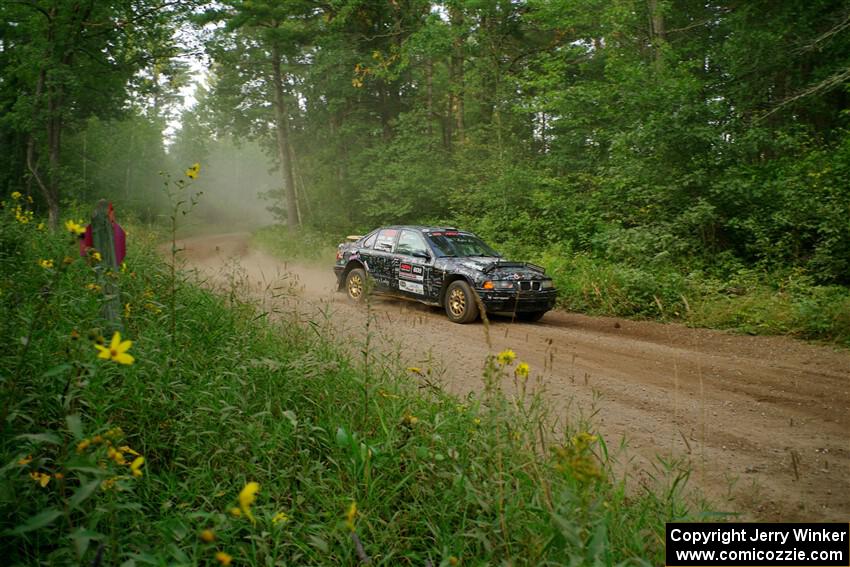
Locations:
(445, 267)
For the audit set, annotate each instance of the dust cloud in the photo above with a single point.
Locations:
(238, 182)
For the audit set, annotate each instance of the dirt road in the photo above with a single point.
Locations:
(764, 422)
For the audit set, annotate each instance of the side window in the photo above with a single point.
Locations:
(370, 241)
(384, 242)
(410, 242)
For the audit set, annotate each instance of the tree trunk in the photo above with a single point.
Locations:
(456, 71)
(385, 111)
(657, 33)
(429, 94)
(49, 189)
(282, 131)
(54, 142)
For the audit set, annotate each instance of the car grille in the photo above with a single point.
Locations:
(529, 286)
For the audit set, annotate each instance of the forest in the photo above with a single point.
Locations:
(646, 151)
(209, 399)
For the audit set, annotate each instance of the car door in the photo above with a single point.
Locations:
(379, 260)
(412, 265)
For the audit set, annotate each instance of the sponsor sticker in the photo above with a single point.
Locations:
(410, 272)
(411, 287)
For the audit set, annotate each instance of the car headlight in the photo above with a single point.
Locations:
(490, 284)
(547, 284)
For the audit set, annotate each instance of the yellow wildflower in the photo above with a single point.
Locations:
(522, 370)
(116, 456)
(410, 420)
(351, 515)
(247, 497)
(152, 307)
(16, 195)
(95, 255)
(207, 536)
(453, 561)
(46, 264)
(415, 370)
(117, 350)
(127, 449)
(136, 466)
(128, 309)
(23, 216)
(25, 461)
(223, 557)
(235, 512)
(108, 483)
(41, 478)
(40, 226)
(192, 172)
(115, 433)
(280, 518)
(476, 421)
(583, 440)
(93, 287)
(74, 228)
(83, 445)
(59, 476)
(123, 267)
(506, 357)
(577, 459)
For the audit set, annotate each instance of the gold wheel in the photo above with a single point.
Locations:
(355, 284)
(457, 302)
(460, 303)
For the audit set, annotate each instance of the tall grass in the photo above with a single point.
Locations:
(307, 245)
(746, 301)
(354, 462)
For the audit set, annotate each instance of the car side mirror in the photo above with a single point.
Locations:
(421, 254)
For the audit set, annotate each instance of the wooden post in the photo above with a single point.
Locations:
(107, 269)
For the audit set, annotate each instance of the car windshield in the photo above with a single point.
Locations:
(460, 244)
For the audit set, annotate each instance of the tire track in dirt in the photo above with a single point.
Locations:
(763, 421)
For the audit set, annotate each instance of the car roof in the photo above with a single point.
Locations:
(420, 228)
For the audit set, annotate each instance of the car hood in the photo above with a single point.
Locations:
(497, 268)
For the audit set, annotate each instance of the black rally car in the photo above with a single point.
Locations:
(445, 267)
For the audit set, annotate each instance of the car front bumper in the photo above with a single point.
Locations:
(510, 301)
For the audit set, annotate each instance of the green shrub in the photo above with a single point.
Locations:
(229, 398)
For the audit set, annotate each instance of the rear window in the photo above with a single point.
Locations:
(385, 240)
(370, 240)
